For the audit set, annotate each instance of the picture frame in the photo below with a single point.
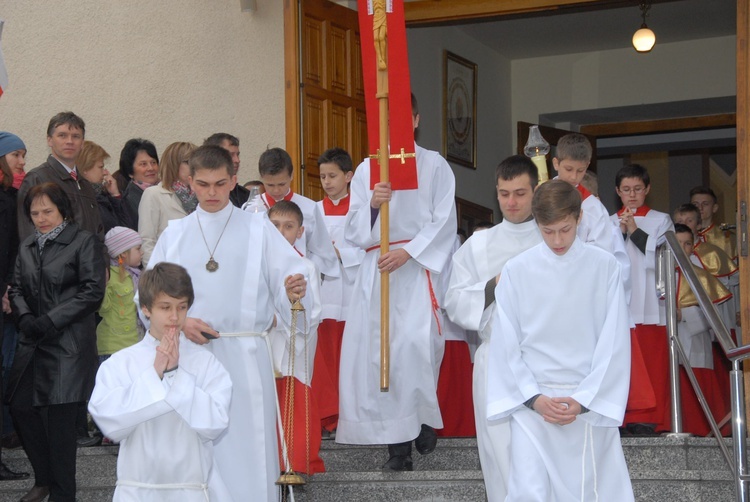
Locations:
(459, 110)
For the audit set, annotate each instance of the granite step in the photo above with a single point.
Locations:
(663, 469)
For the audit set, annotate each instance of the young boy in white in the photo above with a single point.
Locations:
(303, 438)
(276, 168)
(336, 172)
(643, 230)
(572, 158)
(470, 302)
(559, 361)
(165, 400)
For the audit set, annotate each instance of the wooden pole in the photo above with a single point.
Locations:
(380, 37)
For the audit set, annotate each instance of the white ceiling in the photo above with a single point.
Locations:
(569, 31)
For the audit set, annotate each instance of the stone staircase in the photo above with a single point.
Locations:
(662, 469)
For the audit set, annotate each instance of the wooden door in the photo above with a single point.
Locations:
(328, 102)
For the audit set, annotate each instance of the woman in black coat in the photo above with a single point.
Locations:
(58, 284)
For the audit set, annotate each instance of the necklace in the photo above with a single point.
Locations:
(213, 265)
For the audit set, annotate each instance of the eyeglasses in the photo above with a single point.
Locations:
(636, 190)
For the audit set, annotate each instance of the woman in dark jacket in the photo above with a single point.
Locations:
(58, 284)
(140, 162)
(90, 163)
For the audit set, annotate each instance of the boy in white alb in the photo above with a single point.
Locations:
(559, 361)
(422, 231)
(275, 168)
(336, 172)
(165, 400)
(302, 434)
(572, 158)
(244, 272)
(470, 302)
(643, 230)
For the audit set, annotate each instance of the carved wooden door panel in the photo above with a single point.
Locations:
(331, 89)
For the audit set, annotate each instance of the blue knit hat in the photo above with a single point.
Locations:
(9, 142)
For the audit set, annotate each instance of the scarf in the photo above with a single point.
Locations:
(142, 184)
(41, 239)
(98, 188)
(186, 195)
(18, 179)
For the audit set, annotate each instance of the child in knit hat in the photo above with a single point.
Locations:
(120, 326)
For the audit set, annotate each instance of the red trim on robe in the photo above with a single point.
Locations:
(299, 451)
(693, 419)
(652, 340)
(325, 381)
(585, 194)
(641, 211)
(340, 209)
(641, 394)
(454, 391)
(269, 202)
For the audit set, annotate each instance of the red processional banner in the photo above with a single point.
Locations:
(402, 165)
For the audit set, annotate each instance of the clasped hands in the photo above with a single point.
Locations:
(167, 353)
(557, 410)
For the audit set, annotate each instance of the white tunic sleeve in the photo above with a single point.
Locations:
(464, 299)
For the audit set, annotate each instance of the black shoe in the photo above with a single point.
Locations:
(642, 430)
(426, 441)
(11, 441)
(86, 441)
(8, 475)
(36, 494)
(399, 463)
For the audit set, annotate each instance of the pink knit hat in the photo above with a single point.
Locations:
(120, 239)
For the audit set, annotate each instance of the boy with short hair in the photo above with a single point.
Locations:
(643, 229)
(694, 334)
(561, 372)
(470, 301)
(165, 400)
(336, 171)
(302, 448)
(571, 161)
(706, 201)
(275, 167)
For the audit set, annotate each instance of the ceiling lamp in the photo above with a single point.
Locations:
(644, 39)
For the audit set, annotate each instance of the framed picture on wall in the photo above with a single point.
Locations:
(459, 110)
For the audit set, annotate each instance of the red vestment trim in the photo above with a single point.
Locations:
(585, 194)
(331, 209)
(641, 211)
(269, 202)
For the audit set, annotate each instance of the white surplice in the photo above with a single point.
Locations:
(336, 291)
(306, 339)
(594, 226)
(165, 427)
(562, 329)
(426, 219)
(645, 306)
(240, 297)
(479, 260)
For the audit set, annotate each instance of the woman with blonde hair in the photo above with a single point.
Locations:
(171, 200)
(90, 164)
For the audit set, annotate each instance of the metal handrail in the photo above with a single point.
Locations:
(669, 255)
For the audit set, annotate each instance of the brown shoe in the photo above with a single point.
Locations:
(36, 494)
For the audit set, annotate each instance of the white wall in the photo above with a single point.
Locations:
(426, 46)
(171, 70)
(671, 72)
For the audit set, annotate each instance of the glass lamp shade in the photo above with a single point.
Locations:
(644, 39)
(537, 148)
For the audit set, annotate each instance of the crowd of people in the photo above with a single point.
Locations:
(234, 328)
